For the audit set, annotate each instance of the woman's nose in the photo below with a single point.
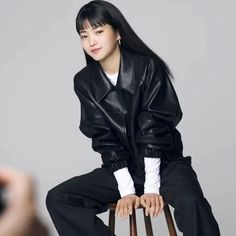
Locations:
(92, 41)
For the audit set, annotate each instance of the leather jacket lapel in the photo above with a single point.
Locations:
(125, 81)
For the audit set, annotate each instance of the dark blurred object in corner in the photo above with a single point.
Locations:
(2, 199)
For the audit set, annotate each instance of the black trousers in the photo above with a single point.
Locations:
(74, 204)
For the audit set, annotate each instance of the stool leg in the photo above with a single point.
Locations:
(132, 224)
(111, 223)
(169, 221)
(148, 224)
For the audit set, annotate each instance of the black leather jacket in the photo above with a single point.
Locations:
(137, 118)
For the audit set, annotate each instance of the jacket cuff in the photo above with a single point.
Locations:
(151, 152)
(111, 167)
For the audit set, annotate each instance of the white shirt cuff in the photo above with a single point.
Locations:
(152, 175)
(125, 181)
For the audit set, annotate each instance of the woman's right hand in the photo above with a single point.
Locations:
(125, 205)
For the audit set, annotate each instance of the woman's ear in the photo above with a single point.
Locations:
(118, 35)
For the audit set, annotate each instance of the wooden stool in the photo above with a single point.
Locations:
(147, 220)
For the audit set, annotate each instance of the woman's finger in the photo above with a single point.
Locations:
(130, 207)
(148, 203)
(137, 202)
(162, 203)
(143, 202)
(125, 208)
(152, 206)
(119, 213)
(117, 208)
(157, 205)
(122, 210)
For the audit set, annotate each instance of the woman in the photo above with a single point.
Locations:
(130, 110)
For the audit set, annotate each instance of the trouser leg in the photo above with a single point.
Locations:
(73, 204)
(192, 212)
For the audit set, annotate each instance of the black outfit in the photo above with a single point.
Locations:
(137, 118)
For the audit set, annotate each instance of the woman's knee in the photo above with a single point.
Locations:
(189, 200)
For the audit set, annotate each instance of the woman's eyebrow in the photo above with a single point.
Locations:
(95, 27)
(82, 31)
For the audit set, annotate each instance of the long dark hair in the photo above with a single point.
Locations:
(100, 12)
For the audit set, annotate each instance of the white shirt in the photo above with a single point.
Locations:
(152, 168)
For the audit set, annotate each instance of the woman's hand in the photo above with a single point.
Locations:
(126, 204)
(153, 203)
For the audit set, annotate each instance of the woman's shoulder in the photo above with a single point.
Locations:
(146, 60)
(82, 73)
(138, 57)
(81, 79)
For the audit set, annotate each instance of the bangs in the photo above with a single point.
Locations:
(95, 20)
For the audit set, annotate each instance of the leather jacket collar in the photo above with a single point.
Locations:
(125, 79)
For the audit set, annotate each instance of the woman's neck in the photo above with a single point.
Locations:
(112, 62)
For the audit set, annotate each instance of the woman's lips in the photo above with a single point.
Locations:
(95, 50)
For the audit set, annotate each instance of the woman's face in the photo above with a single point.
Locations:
(99, 42)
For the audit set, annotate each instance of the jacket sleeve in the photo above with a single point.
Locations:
(159, 114)
(92, 124)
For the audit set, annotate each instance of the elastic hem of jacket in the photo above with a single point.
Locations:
(151, 152)
(115, 165)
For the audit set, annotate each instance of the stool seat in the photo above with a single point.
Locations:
(147, 220)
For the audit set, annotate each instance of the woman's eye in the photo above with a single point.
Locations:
(83, 36)
(99, 31)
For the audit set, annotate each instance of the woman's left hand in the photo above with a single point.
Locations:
(153, 203)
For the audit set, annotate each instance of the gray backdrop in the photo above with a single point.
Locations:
(40, 53)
